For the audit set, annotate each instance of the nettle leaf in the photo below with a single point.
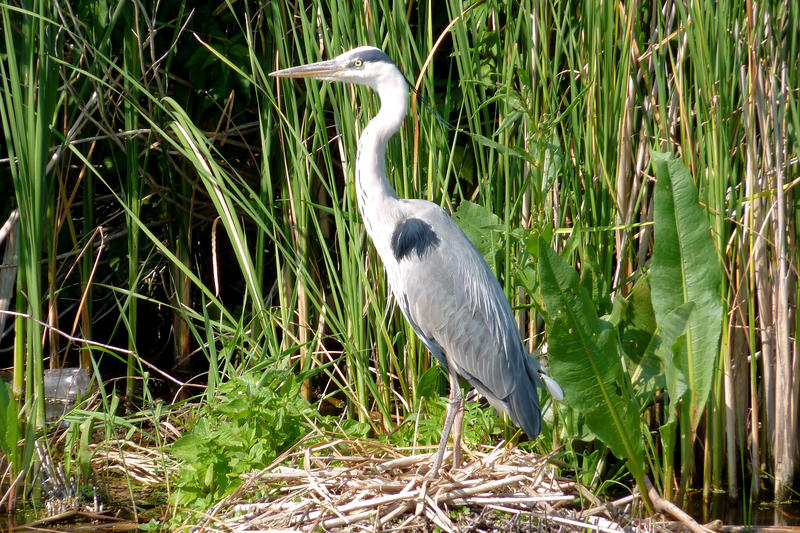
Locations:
(187, 447)
(245, 430)
(551, 157)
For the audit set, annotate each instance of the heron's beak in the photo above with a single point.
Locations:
(321, 70)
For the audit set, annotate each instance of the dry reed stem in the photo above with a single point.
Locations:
(366, 486)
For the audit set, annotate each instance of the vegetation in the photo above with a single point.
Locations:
(188, 223)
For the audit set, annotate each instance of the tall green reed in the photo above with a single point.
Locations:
(30, 84)
(30, 93)
(131, 181)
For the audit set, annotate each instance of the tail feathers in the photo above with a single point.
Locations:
(552, 387)
(523, 403)
(540, 377)
(524, 408)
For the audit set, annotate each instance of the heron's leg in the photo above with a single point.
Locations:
(458, 425)
(455, 410)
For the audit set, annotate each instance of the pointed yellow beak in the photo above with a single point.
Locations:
(321, 70)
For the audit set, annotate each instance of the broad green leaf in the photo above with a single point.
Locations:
(685, 268)
(585, 360)
(429, 384)
(637, 322)
(639, 341)
(186, 447)
(672, 337)
(484, 229)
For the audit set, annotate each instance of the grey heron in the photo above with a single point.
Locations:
(442, 284)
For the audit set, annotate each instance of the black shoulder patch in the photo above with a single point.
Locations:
(413, 235)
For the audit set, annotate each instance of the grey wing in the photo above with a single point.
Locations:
(458, 308)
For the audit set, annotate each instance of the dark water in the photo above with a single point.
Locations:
(78, 522)
(742, 513)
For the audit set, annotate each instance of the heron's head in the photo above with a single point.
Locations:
(365, 65)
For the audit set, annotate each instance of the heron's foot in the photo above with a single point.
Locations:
(456, 455)
(458, 423)
(437, 461)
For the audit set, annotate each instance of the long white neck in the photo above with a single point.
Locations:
(376, 197)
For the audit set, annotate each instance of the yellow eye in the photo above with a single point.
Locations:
(358, 62)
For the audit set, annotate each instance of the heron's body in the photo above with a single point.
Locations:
(456, 306)
(438, 278)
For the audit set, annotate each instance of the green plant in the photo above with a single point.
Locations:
(252, 421)
(11, 433)
(589, 367)
(30, 92)
(685, 287)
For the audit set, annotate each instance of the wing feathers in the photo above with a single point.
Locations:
(457, 306)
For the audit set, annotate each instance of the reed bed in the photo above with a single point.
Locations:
(359, 485)
(175, 217)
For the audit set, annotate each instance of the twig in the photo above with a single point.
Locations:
(403, 462)
(667, 507)
(107, 347)
(584, 525)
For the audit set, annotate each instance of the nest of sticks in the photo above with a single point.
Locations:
(367, 486)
